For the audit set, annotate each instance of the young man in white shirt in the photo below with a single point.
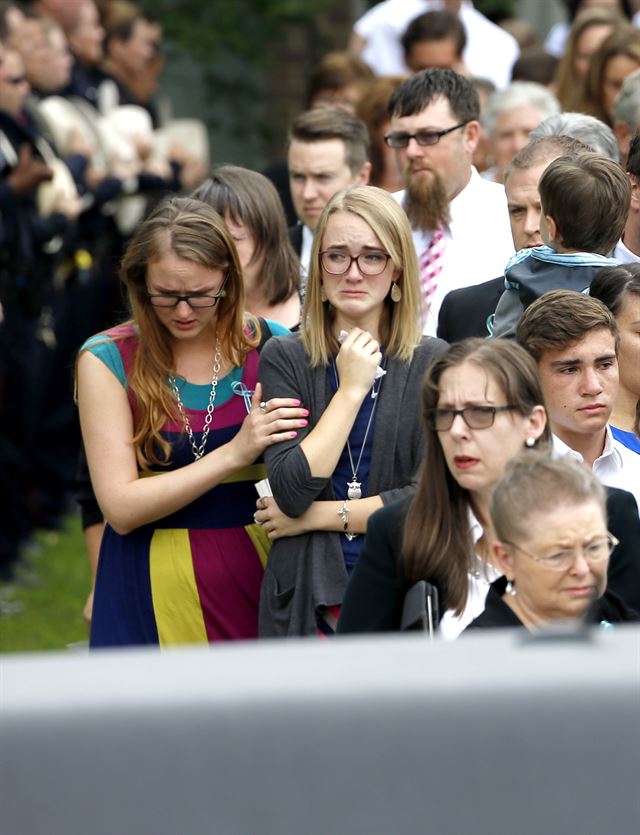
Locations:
(574, 340)
(328, 152)
(490, 51)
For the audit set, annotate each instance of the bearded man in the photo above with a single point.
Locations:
(460, 221)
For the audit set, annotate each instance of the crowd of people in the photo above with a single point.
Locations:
(423, 392)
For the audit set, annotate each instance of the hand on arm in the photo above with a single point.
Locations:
(320, 516)
(128, 501)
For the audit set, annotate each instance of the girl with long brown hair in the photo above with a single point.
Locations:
(174, 427)
(616, 58)
(254, 216)
(482, 403)
(588, 30)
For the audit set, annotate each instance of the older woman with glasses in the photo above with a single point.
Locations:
(174, 427)
(357, 366)
(552, 547)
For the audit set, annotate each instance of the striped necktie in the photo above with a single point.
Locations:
(431, 263)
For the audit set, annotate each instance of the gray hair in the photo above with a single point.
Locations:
(519, 94)
(626, 107)
(594, 133)
(517, 496)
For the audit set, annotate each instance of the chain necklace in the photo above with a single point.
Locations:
(354, 490)
(198, 451)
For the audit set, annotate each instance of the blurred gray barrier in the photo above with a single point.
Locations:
(390, 735)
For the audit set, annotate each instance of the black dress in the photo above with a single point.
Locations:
(608, 609)
(375, 594)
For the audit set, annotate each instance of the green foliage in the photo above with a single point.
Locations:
(208, 29)
(496, 9)
(219, 55)
(52, 602)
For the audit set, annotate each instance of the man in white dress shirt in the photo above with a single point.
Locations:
(574, 340)
(490, 51)
(460, 221)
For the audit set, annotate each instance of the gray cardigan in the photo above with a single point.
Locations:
(306, 573)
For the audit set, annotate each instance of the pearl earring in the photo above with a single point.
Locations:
(510, 588)
(530, 442)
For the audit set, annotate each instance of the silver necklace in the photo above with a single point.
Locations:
(198, 451)
(354, 486)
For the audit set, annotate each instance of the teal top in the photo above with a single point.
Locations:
(194, 396)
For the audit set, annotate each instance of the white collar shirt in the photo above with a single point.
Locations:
(305, 257)
(478, 242)
(618, 466)
(490, 51)
(480, 578)
(623, 254)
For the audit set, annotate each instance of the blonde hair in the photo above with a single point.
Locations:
(400, 326)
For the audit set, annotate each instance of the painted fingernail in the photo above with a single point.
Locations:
(293, 434)
(304, 422)
(296, 402)
(305, 412)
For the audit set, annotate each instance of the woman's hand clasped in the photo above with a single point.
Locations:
(274, 521)
(268, 422)
(357, 361)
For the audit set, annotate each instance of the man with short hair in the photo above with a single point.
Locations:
(435, 39)
(460, 223)
(600, 138)
(574, 340)
(490, 51)
(469, 311)
(328, 152)
(585, 204)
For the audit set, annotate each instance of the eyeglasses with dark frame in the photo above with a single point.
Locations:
(400, 139)
(595, 551)
(195, 301)
(336, 262)
(476, 417)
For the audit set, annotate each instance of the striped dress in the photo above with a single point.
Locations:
(195, 575)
